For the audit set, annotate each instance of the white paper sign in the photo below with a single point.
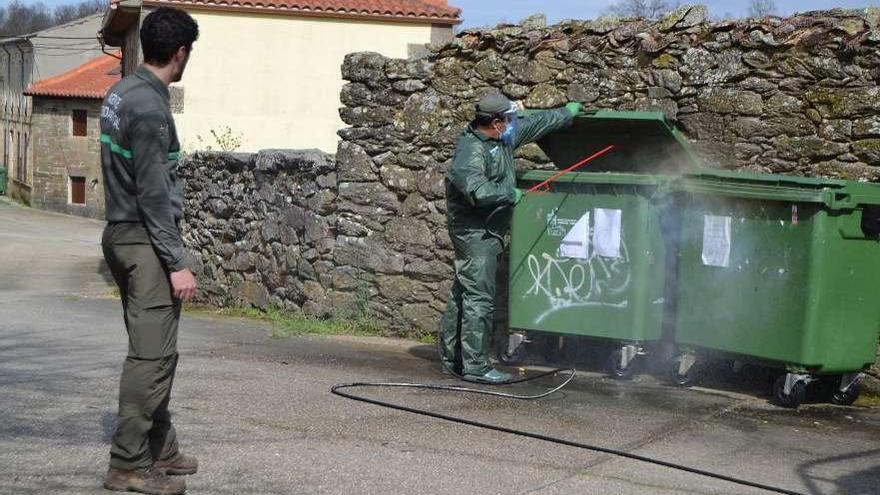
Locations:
(606, 232)
(716, 241)
(575, 244)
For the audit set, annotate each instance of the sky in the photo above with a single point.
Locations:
(491, 12)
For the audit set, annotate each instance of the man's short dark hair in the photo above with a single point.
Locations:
(164, 31)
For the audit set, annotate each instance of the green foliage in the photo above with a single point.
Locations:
(291, 324)
(222, 138)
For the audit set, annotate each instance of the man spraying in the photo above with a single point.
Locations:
(481, 180)
(143, 247)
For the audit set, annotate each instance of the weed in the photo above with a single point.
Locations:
(225, 139)
(287, 324)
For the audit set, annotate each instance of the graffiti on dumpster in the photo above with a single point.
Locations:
(570, 283)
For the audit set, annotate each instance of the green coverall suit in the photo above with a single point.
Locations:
(481, 179)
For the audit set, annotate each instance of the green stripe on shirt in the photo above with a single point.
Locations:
(119, 150)
(115, 148)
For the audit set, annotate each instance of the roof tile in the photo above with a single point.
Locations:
(428, 10)
(91, 80)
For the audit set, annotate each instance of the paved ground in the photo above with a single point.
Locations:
(258, 414)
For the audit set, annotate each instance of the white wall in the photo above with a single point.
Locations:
(276, 79)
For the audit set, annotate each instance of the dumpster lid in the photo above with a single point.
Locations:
(833, 193)
(645, 142)
(534, 177)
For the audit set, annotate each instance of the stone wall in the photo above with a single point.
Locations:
(58, 155)
(261, 228)
(797, 95)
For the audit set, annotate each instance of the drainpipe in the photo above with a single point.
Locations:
(24, 116)
(7, 102)
(8, 80)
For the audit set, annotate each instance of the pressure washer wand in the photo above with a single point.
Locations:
(545, 186)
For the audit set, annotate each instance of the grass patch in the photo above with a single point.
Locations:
(428, 338)
(868, 400)
(286, 324)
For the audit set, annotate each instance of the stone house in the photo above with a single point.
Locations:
(270, 71)
(65, 131)
(23, 60)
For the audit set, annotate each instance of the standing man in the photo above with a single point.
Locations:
(481, 180)
(145, 252)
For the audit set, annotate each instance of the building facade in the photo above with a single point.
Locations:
(23, 60)
(65, 130)
(269, 74)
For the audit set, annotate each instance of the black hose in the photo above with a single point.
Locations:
(338, 390)
(489, 222)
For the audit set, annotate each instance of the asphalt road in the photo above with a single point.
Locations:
(258, 413)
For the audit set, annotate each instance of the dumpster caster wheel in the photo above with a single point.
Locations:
(689, 377)
(514, 352)
(615, 368)
(795, 396)
(848, 397)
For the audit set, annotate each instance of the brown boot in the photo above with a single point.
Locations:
(150, 481)
(179, 464)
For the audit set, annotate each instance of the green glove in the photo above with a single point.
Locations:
(518, 195)
(574, 108)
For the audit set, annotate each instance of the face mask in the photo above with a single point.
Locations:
(509, 135)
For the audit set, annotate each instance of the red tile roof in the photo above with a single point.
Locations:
(90, 80)
(434, 11)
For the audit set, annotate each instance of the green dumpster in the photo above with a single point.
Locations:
(783, 271)
(588, 256)
(2, 180)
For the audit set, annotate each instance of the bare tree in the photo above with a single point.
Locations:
(646, 9)
(66, 13)
(18, 18)
(762, 8)
(21, 18)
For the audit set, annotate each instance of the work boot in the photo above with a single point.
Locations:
(492, 377)
(179, 464)
(150, 481)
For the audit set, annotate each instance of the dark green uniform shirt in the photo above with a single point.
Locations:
(483, 175)
(139, 154)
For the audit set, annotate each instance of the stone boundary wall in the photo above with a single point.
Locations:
(795, 95)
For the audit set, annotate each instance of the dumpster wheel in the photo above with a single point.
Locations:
(615, 369)
(847, 389)
(797, 391)
(512, 351)
(847, 398)
(684, 370)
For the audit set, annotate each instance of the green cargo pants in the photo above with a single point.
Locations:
(144, 432)
(468, 322)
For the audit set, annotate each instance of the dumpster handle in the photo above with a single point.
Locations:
(545, 186)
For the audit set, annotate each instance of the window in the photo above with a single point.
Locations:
(79, 118)
(78, 190)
